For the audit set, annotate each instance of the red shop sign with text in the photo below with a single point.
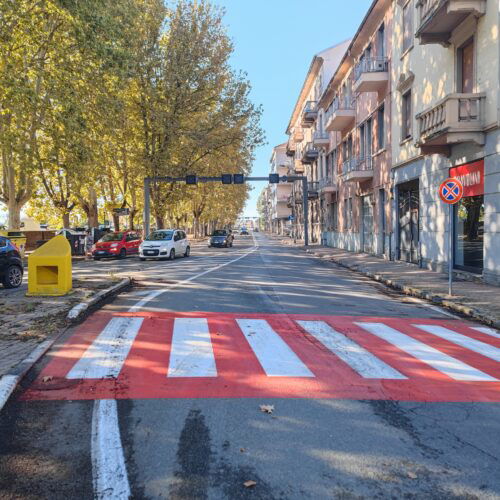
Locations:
(471, 175)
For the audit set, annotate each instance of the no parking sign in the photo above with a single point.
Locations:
(451, 191)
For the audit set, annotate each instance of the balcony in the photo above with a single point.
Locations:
(340, 115)
(309, 113)
(371, 74)
(438, 18)
(321, 139)
(290, 147)
(312, 190)
(298, 135)
(310, 153)
(298, 167)
(455, 119)
(328, 185)
(357, 169)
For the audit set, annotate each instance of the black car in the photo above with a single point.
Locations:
(221, 238)
(11, 265)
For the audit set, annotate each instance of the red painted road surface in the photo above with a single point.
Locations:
(241, 372)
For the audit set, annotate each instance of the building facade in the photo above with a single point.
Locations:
(280, 211)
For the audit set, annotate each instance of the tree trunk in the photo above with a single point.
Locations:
(116, 222)
(14, 208)
(65, 220)
(93, 212)
(159, 222)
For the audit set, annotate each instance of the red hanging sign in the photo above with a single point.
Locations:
(471, 175)
(450, 191)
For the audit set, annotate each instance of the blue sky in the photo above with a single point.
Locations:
(275, 41)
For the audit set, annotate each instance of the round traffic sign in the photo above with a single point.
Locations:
(451, 191)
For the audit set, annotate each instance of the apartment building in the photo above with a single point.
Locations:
(307, 143)
(280, 194)
(446, 124)
(355, 171)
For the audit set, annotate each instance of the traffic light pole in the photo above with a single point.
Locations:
(290, 178)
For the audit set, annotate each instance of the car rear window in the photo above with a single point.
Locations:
(160, 236)
(112, 237)
(219, 232)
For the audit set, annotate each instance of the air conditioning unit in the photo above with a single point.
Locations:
(380, 66)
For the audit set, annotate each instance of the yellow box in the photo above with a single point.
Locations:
(49, 268)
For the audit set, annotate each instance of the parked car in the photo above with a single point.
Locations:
(117, 244)
(165, 243)
(221, 238)
(244, 230)
(11, 265)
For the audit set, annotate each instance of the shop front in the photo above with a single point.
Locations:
(468, 245)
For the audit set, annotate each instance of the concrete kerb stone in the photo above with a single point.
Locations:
(11, 380)
(440, 300)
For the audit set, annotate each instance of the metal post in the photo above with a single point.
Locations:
(450, 253)
(306, 210)
(146, 206)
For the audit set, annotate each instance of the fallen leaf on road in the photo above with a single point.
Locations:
(242, 450)
(249, 484)
(47, 378)
(412, 475)
(266, 408)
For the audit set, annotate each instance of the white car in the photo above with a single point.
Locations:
(165, 244)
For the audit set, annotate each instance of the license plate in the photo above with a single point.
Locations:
(101, 252)
(149, 252)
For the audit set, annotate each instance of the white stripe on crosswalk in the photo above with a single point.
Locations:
(191, 352)
(105, 357)
(274, 355)
(357, 357)
(488, 331)
(456, 338)
(440, 361)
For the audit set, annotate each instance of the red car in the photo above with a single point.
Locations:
(118, 244)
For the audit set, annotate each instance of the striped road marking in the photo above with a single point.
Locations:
(105, 357)
(487, 331)
(357, 357)
(456, 338)
(274, 355)
(437, 359)
(191, 353)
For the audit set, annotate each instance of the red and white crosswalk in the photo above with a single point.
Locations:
(197, 355)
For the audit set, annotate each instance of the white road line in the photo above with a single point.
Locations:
(437, 359)
(109, 472)
(274, 355)
(488, 331)
(152, 295)
(462, 340)
(440, 310)
(191, 352)
(357, 357)
(7, 385)
(106, 355)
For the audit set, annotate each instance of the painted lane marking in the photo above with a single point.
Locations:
(488, 331)
(106, 355)
(274, 355)
(357, 357)
(452, 367)
(462, 340)
(191, 352)
(109, 473)
(141, 303)
(7, 385)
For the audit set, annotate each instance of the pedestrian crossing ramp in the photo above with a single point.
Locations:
(174, 355)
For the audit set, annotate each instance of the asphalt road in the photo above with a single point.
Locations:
(197, 430)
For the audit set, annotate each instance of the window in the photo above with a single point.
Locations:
(368, 133)
(465, 64)
(362, 140)
(406, 117)
(381, 41)
(347, 213)
(334, 215)
(380, 128)
(407, 25)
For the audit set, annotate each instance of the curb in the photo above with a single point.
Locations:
(10, 380)
(80, 309)
(414, 292)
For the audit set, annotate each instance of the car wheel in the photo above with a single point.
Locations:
(172, 254)
(123, 253)
(97, 258)
(188, 252)
(13, 277)
(142, 258)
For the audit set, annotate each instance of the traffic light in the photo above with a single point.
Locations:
(227, 178)
(274, 178)
(238, 178)
(191, 179)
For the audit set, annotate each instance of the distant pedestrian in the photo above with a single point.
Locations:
(89, 243)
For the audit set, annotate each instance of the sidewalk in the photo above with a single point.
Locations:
(477, 300)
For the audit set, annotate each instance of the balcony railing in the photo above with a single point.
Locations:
(371, 74)
(340, 114)
(309, 113)
(321, 138)
(298, 135)
(357, 169)
(456, 118)
(327, 184)
(371, 65)
(438, 18)
(310, 153)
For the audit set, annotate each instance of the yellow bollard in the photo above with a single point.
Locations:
(49, 268)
